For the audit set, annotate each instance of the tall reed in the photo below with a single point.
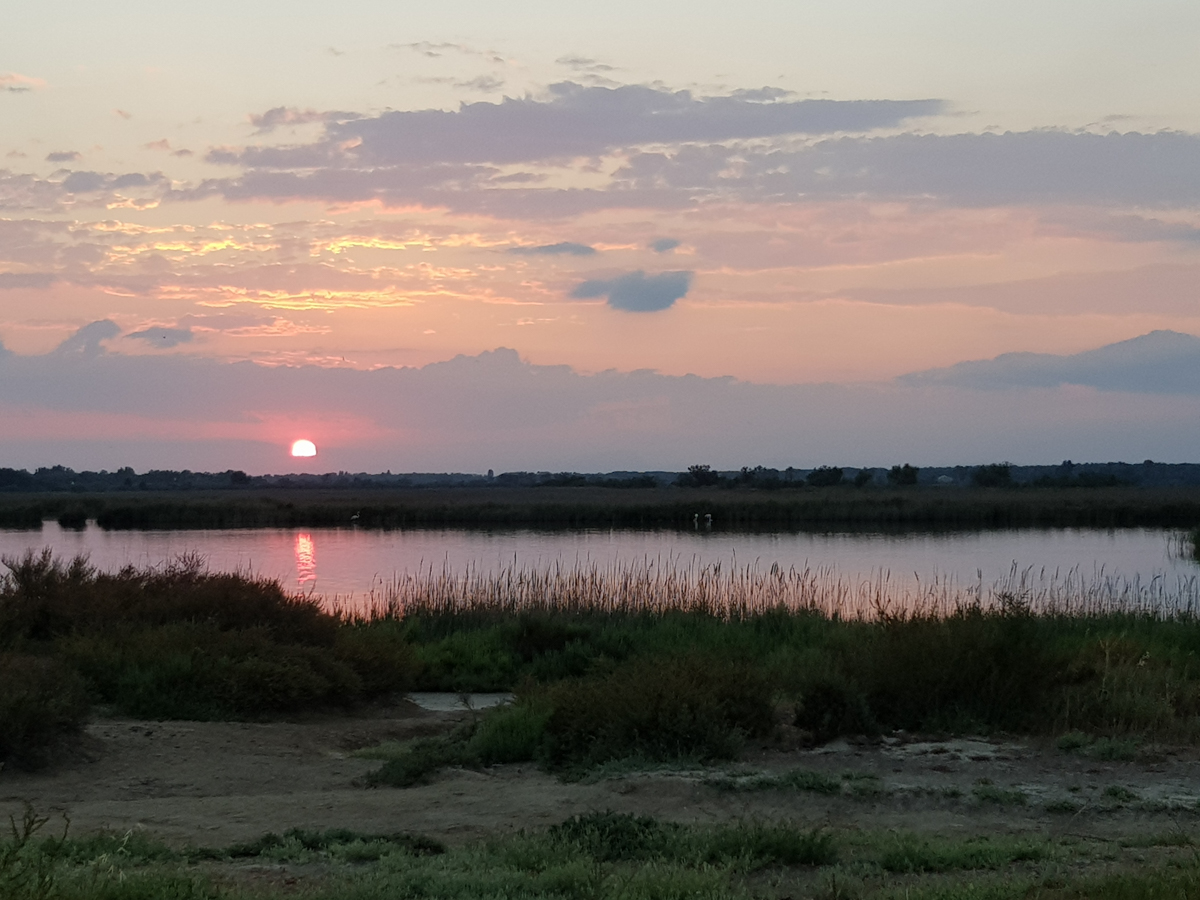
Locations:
(657, 586)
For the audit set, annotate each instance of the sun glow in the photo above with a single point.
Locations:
(304, 448)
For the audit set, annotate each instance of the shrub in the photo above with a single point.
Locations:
(682, 707)
(900, 476)
(41, 703)
(380, 655)
(196, 671)
(510, 733)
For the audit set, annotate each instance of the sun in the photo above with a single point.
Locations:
(304, 447)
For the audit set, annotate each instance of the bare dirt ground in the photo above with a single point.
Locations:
(212, 784)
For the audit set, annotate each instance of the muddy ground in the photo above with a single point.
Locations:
(211, 784)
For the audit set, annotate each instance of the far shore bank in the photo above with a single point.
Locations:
(841, 507)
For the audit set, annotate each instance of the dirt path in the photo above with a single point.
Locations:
(212, 784)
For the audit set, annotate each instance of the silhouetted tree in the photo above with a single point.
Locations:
(993, 475)
(699, 476)
(902, 475)
(824, 476)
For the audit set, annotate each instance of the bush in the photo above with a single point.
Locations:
(901, 476)
(660, 709)
(195, 671)
(41, 703)
(510, 733)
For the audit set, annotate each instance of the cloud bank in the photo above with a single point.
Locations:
(1162, 362)
(86, 407)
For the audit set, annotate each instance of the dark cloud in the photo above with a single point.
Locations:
(86, 341)
(163, 337)
(562, 248)
(1161, 362)
(10, 280)
(637, 291)
(664, 245)
(61, 156)
(573, 121)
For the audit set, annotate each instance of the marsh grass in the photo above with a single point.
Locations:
(643, 661)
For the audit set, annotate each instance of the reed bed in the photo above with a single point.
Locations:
(658, 587)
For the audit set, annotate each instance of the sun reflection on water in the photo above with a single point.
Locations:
(306, 559)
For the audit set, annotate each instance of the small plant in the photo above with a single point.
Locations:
(986, 792)
(1062, 807)
(1073, 741)
(27, 866)
(1120, 793)
(1113, 750)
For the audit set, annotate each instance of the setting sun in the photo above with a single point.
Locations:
(304, 448)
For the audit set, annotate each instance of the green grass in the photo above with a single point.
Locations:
(599, 855)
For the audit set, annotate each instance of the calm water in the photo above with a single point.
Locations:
(349, 563)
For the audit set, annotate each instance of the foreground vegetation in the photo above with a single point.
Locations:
(736, 508)
(606, 665)
(603, 855)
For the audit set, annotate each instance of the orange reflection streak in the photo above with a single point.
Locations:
(306, 559)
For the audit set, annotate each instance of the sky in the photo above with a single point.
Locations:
(530, 236)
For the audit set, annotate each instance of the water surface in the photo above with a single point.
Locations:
(350, 563)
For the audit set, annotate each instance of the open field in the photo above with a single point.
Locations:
(212, 809)
(806, 508)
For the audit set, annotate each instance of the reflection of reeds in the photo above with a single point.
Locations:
(655, 587)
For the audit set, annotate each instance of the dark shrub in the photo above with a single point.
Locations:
(198, 672)
(901, 476)
(664, 708)
(41, 598)
(41, 702)
(971, 668)
(379, 655)
(829, 707)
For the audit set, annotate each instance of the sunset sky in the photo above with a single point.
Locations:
(469, 235)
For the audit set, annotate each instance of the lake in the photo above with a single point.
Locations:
(351, 564)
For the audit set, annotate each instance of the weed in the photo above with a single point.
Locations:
(1113, 750)
(1073, 741)
(1062, 807)
(990, 793)
(1120, 793)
